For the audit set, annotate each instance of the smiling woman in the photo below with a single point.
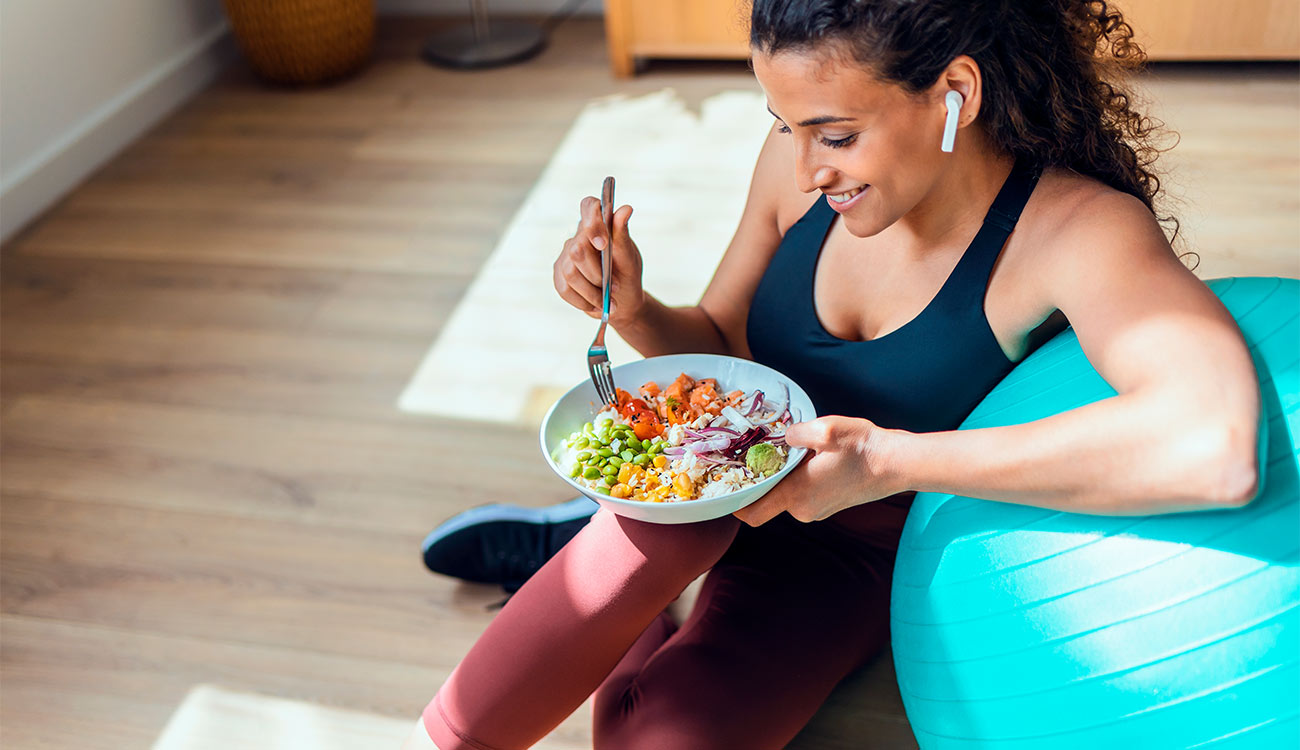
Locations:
(897, 282)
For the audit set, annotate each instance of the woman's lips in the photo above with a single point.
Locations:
(841, 202)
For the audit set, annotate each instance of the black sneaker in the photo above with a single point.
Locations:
(503, 544)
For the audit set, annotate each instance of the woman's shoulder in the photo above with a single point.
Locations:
(1075, 229)
(1074, 218)
(1071, 206)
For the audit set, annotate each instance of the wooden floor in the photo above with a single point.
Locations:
(206, 480)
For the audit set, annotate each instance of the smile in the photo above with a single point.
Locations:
(841, 201)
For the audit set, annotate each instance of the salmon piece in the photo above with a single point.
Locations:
(704, 400)
(649, 390)
(680, 387)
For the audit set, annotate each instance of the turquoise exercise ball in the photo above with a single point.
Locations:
(1022, 628)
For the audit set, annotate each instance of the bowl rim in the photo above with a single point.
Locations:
(793, 458)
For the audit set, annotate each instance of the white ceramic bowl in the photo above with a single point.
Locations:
(579, 406)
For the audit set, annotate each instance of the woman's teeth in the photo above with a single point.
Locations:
(845, 197)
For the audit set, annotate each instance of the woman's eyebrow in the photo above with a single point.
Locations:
(822, 120)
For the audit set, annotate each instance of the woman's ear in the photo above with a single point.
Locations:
(963, 76)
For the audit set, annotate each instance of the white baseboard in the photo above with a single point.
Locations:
(41, 180)
(462, 7)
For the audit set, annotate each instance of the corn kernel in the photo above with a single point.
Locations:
(660, 461)
(620, 490)
(683, 485)
(624, 473)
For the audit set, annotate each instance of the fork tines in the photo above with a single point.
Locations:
(598, 365)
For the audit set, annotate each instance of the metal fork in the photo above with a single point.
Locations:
(597, 355)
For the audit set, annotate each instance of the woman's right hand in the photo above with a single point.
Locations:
(577, 270)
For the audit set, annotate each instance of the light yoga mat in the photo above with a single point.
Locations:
(215, 718)
(512, 346)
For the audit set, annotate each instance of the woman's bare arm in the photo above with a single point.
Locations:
(1182, 433)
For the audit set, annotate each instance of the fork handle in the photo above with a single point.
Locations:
(606, 260)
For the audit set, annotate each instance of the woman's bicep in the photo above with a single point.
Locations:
(1145, 321)
(726, 300)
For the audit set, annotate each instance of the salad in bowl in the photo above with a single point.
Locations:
(701, 437)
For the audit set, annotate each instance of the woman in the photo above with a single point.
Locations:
(897, 283)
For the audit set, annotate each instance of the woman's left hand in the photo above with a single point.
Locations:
(846, 467)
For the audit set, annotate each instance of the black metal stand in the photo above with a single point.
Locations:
(479, 45)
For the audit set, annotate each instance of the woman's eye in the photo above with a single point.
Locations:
(784, 129)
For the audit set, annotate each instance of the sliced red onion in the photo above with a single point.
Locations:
(718, 461)
(752, 404)
(777, 410)
(704, 446)
(707, 433)
(675, 450)
(736, 418)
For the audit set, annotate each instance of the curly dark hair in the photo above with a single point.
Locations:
(1052, 72)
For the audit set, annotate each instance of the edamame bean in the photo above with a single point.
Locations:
(636, 445)
(591, 472)
(584, 456)
(610, 471)
(588, 429)
(642, 460)
(617, 461)
(627, 455)
(581, 442)
(604, 452)
(610, 481)
(604, 422)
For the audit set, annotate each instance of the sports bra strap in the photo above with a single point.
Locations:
(1011, 199)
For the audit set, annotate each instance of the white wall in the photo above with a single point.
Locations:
(79, 80)
(461, 7)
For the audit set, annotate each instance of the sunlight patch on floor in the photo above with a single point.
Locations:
(214, 718)
(512, 346)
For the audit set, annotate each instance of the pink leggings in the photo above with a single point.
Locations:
(786, 611)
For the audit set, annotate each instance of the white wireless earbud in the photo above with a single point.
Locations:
(953, 101)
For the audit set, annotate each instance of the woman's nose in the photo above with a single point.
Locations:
(809, 175)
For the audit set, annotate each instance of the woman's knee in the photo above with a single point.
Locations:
(676, 551)
(655, 722)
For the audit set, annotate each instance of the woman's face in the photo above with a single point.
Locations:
(870, 147)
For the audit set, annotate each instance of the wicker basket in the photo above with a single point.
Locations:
(303, 41)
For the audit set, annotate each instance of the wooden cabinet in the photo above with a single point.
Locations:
(1166, 29)
(705, 29)
(1215, 29)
